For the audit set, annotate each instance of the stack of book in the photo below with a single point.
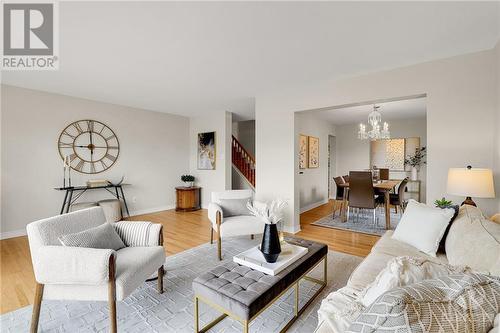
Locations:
(97, 183)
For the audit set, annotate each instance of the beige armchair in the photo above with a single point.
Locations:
(234, 225)
(88, 274)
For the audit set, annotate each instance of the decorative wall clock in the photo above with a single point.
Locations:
(92, 146)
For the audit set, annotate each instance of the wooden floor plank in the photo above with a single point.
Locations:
(181, 231)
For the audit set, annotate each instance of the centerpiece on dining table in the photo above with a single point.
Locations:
(272, 215)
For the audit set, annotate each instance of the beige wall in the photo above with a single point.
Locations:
(497, 131)
(354, 154)
(313, 183)
(461, 107)
(154, 154)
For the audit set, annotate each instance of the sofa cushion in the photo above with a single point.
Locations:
(234, 207)
(453, 303)
(388, 245)
(133, 266)
(100, 237)
(241, 225)
(423, 226)
(402, 271)
(474, 241)
(369, 268)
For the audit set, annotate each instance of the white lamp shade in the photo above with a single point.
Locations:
(472, 182)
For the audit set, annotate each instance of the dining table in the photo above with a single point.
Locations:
(384, 186)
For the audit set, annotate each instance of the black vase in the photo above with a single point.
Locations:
(270, 246)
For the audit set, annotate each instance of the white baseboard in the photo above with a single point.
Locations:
(12, 234)
(313, 205)
(151, 210)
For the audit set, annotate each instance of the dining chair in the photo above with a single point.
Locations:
(397, 199)
(346, 178)
(339, 196)
(384, 174)
(361, 193)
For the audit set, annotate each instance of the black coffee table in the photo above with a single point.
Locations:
(243, 293)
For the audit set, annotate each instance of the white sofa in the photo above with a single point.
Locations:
(234, 225)
(467, 244)
(89, 274)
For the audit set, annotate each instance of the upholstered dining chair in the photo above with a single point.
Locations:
(339, 195)
(383, 174)
(397, 199)
(361, 192)
(346, 178)
(90, 274)
(235, 225)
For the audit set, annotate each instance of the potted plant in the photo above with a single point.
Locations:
(188, 180)
(271, 214)
(415, 161)
(443, 203)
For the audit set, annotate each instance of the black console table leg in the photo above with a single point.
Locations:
(124, 201)
(69, 201)
(64, 202)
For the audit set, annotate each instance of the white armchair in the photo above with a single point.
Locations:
(87, 274)
(234, 225)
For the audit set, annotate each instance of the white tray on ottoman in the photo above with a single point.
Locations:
(254, 259)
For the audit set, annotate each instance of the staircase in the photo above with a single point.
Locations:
(243, 161)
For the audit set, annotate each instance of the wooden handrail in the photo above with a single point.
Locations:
(243, 161)
(243, 148)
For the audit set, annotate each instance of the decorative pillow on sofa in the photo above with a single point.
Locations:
(474, 241)
(234, 207)
(100, 237)
(422, 226)
(453, 303)
(402, 271)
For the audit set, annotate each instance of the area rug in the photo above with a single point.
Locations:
(362, 223)
(147, 311)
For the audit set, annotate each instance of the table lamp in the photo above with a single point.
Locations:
(471, 182)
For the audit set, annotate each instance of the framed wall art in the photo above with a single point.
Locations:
(206, 151)
(313, 148)
(303, 151)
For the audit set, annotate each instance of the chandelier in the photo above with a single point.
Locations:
(375, 120)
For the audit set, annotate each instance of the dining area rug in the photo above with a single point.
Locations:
(362, 222)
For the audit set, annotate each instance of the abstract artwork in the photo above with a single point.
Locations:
(206, 151)
(313, 145)
(390, 153)
(302, 151)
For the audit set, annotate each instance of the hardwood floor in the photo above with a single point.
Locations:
(338, 240)
(181, 231)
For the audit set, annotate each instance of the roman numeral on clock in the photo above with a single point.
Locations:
(110, 157)
(90, 125)
(80, 165)
(65, 144)
(78, 128)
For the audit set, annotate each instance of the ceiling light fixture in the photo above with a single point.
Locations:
(374, 119)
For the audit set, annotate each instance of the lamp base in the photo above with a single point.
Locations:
(468, 201)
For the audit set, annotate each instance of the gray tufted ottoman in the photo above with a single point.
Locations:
(243, 293)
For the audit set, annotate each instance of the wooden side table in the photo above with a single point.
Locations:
(188, 198)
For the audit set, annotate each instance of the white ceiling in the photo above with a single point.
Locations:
(404, 109)
(192, 58)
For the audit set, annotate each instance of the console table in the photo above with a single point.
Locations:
(188, 198)
(69, 200)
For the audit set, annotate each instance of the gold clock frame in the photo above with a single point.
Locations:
(76, 124)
